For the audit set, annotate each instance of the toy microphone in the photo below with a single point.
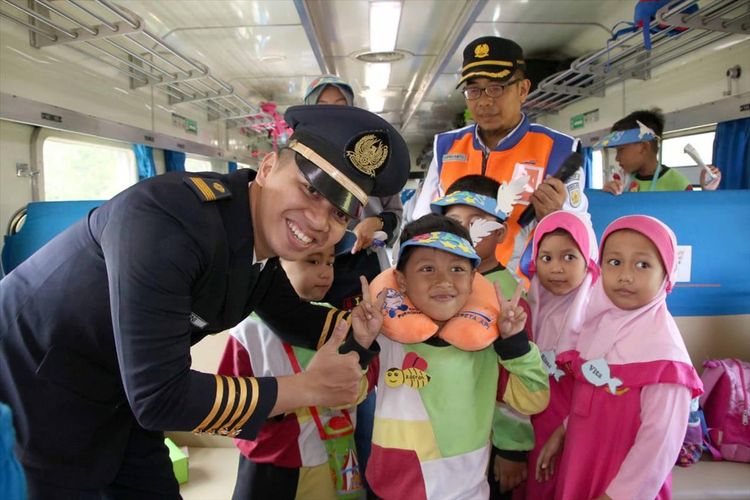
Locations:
(569, 167)
(692, 153)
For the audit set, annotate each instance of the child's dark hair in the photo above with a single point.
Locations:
(427, 224)
(653, 119)
(478, 184)
(558, 232)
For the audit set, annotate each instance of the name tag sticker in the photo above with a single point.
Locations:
(684, 263)
(596, 372)
(550, 366)
(535, 173)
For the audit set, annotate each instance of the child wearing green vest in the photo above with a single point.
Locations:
(637, 139)
(476, 202)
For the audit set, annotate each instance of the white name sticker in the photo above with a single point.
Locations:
(684, 263)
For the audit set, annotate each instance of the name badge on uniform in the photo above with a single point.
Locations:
(454, 157)
(596, 372)
(550, 366)
(197, 321)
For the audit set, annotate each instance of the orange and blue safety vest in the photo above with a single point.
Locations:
(529, 149)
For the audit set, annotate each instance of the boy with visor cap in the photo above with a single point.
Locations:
(163, 264)
(637, 139)
(502, 143)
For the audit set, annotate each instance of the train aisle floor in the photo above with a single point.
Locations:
(213, 472)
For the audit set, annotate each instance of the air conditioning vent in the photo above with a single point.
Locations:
(382, 57)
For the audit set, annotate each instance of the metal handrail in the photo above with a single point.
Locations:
(159, 56)
(150, 76)
(29, 27)
(64, 15)
(116, 11)
(620, 60)
(147, 59)
(96, 16)
(42, 19)
(139, 58)
(111, 64)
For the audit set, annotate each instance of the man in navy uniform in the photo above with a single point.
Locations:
(96, 327)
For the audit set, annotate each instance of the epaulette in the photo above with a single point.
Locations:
(208, 189)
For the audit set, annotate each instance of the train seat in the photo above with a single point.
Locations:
(34, 225)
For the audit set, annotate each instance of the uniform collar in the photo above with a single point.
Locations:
(236, 214)
(507, 142)
(256, 261)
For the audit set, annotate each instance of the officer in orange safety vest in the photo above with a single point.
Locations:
(502, 143)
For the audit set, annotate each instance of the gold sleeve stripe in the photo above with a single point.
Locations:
(487, 63)
(240, 406)
(251, 407)
(326, 327)
(231, 394)
(217, 404)
(345, 316)
(201, 184)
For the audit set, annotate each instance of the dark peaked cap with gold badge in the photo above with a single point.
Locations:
(491, 57)
(348, 154)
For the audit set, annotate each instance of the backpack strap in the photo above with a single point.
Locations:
(712, 372)
(743, 391)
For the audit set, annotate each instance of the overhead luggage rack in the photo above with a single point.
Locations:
(626, 57)
(114, 36)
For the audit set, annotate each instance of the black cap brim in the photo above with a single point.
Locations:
(329, 188)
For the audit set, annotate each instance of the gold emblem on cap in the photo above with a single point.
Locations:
(481, 50)
(368, 155)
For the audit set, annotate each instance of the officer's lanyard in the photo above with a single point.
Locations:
(324, 434)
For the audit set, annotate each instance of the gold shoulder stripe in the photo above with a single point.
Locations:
(231, 393)
(345, 316)
(201, 184)
(217, 404)
(251, 408)
(326, 327)
(242, 382)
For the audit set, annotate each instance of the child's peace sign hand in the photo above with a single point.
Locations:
(512, 316)
(367, 317)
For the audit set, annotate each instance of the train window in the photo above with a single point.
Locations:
(243, 165)
(673, 154)
(597, 170)
(197, 165)
(86, 170)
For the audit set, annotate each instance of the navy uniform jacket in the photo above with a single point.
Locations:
(96, 327)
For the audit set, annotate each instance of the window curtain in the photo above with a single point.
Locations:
(732, 153)
(144, 158)
(232, 166)
(588, 166)
(174, 161)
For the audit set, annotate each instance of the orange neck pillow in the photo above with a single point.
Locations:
(473, 328)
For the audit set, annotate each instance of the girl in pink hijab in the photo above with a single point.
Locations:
(563, 269)
(633, 377)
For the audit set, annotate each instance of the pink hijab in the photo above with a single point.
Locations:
(556, 320)
(648, 333)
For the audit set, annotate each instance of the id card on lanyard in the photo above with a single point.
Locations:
(338, 438)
